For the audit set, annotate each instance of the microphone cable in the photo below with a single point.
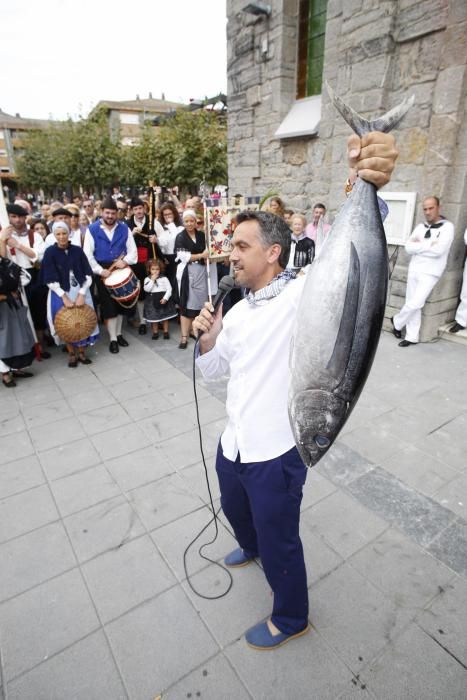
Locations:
(211, 501)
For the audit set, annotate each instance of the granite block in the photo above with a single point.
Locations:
(68, 458)
(213, 680)
(374, 443)
(43, 621)
(194, 477)
(61, 432)
(445, 620)
(91, 400)
(228, 617)
(418, 516)
(34, 558)
(316, 488)
(84, 670)
(168, 424)
(26, 511)
(419, 471)
(174, 538)
(123, 578)
(453, 495)
(15, 446)
(168, 641)
(416, 666)
(46, 414)
(104, 418)
(354, 617)
(441, 446)
(162, 501)
(451, 546)
(341, 464)
(306, 667)
(120, 441)
(103, 527)
(36, 393)
(83, 489)
(12, 424)
(343, 523)
(20, 475)
(401, 569)
(140, 467)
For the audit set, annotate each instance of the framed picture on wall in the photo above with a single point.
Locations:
(399, 221)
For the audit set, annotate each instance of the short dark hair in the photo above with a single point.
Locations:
(320, 205)
(273, 229)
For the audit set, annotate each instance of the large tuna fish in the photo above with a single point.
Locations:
(341, 311)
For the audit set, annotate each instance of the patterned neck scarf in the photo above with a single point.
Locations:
(271, 290)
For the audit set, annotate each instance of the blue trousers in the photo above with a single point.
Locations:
(261, 501)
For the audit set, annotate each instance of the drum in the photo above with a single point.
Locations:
(123, 286)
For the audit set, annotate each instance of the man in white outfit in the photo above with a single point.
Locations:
(429, 246)
(461, 313)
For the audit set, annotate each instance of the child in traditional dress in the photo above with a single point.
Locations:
(159, 307)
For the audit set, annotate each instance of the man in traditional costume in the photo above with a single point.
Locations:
(147, 248)
(106, 243)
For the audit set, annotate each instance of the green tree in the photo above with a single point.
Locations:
(191, 147)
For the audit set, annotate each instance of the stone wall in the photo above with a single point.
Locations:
(377, 52)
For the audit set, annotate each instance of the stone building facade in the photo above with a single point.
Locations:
(375, 53)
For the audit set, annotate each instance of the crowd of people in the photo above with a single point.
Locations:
(111, 255)
(159, 267)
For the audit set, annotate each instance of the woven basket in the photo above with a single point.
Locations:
(75, 324)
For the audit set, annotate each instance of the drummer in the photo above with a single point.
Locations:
(147, 247)
(66, 271)
(106, 241)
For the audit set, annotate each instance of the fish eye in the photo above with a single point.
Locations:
(322, 441)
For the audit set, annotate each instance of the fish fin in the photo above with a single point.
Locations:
(360, 125)
(338, 361)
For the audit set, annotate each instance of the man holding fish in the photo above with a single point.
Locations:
(261, 472)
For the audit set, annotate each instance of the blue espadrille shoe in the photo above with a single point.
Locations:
(237, 558)
(260, 637)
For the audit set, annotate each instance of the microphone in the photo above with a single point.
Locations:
(226, 285)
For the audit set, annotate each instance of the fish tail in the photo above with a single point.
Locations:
(360, 125)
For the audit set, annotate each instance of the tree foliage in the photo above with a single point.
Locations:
(186, 149)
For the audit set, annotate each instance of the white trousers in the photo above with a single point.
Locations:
(419, 286)
(461, 313)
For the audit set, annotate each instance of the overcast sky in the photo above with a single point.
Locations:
(60, 57)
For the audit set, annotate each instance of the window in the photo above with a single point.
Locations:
(311, 34)
(129, 118)
(3, 153)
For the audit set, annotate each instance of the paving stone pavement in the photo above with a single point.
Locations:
(102, 488)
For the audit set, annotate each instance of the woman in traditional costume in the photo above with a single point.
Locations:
(191, 252)
(66, 272)
(16, 337)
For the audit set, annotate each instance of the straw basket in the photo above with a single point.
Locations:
(75, 324)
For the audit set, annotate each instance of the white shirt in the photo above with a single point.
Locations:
(254, 345)
(131, 258)
(162, 284)
(166, 238)
(21, 258)
(430, 255)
